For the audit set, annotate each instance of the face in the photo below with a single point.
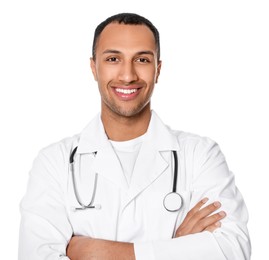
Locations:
(126, 68)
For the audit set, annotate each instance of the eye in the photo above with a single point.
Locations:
(112, 59)
(143, 60)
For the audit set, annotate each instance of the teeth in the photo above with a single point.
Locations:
(126, 91)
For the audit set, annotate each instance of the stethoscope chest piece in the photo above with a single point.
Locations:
(172, 202)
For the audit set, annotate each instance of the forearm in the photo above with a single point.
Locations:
(197, 220)
(85, 248)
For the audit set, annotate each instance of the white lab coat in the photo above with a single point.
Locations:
(132, 213)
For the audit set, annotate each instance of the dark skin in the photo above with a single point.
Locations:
(126, 59)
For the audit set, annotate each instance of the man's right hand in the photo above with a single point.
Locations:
(201, 219)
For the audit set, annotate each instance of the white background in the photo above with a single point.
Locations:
(214, 83)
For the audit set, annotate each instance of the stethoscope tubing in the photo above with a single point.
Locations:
(83, 206)
(175, 171)
(90, 205)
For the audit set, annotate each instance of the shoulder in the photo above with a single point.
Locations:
(52, 162)
(192, 139)
(60, 149)
(54, 158)
(201, 154)
(196, 146)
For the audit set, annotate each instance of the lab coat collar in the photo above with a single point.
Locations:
(159, 137)
(150, 163)
(93, 137)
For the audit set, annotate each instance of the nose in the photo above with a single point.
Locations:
(128, 72)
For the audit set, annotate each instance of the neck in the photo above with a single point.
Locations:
(121, 128)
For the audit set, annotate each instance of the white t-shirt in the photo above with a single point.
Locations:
(127, 152)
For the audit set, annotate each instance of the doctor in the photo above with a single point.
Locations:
(100, 194)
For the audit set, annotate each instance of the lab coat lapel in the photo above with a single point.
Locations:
(107, 165)
(149, 166)
(94, 139)
(151, 162)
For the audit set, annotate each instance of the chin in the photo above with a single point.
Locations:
(131, 112)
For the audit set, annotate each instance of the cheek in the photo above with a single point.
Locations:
(149, 75)
(106, 74)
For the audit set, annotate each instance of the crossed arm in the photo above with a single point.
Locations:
(197, 220)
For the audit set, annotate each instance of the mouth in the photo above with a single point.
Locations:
(126, 91)
(126, 94)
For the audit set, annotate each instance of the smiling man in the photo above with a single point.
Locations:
(156, 193)
(126, 66)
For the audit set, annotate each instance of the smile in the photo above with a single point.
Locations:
(126, 91)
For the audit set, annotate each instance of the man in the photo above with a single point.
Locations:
(124, 158)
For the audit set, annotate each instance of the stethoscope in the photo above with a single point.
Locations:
(172, 202)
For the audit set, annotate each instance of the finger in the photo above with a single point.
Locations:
(198, 206)
(213, 227)
(208, 221)
(206, 211)
(194, 210)
(203, 213)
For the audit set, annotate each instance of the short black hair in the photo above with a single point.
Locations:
(126, 18)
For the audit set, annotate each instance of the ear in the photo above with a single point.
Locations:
(93, 68)
(158, 71)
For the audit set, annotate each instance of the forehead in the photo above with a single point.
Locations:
(125, 37)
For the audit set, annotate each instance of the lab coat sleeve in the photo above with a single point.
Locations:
(207, 176)
(45, 229)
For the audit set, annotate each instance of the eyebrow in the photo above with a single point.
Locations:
(119, 52)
